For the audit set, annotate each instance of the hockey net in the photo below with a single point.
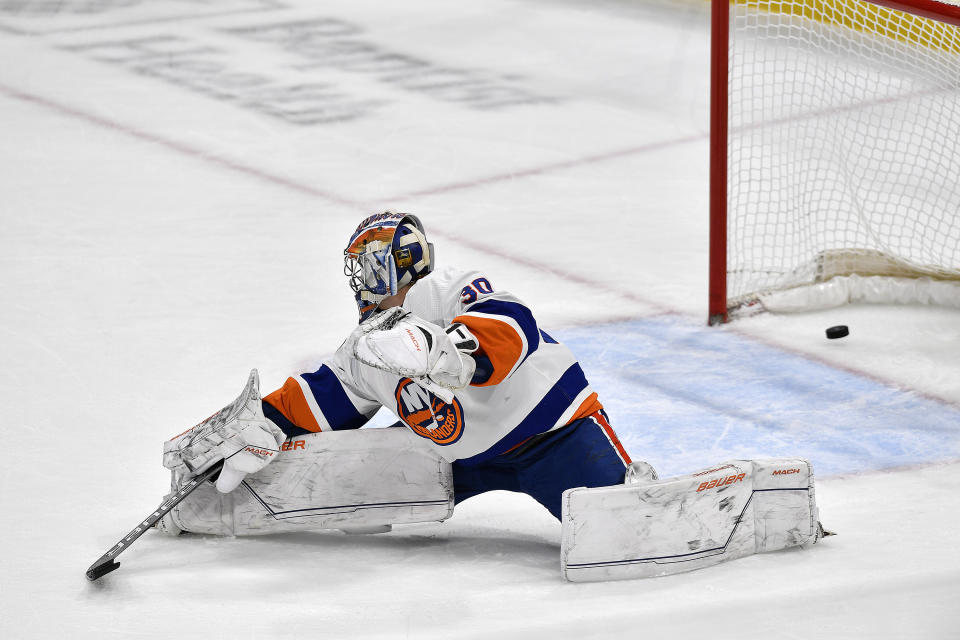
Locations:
(835, 153)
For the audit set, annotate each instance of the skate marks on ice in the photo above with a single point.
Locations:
(680, 394)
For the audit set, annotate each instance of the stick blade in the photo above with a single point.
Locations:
(99, 570)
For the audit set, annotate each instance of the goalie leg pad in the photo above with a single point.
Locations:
(653, 528)
(358, 480)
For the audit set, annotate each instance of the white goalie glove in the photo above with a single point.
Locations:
(436, 358)
(238, 434)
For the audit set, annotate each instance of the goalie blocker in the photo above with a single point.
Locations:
(359, 481)
(648, 527)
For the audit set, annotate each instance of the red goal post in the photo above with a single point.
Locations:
(835, 146)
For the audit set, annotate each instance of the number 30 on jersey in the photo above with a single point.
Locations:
(475, 289)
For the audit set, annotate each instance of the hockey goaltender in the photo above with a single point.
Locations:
(486, 400)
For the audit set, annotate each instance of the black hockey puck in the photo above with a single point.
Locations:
(838, 331)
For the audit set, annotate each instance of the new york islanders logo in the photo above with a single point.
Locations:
(428, 416)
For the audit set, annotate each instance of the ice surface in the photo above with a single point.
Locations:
(178, 180)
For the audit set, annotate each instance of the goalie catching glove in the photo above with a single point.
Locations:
(437, 359)
(238, 434)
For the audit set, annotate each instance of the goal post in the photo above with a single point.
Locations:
(834, 153)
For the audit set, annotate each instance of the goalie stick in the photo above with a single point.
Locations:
(107, 563)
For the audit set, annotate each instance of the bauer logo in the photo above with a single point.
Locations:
(293, 445)
(720, 482)
(428, 416)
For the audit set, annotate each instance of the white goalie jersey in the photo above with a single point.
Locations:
(526, 383)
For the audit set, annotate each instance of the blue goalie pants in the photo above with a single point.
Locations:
(584, 453)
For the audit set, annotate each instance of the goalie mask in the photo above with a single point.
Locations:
(387, 252)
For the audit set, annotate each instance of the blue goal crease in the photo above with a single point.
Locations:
(682, 396)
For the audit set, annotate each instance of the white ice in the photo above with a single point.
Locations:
(163, 233)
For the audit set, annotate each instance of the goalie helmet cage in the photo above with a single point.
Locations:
(835, 145)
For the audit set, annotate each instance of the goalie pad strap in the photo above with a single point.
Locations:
(336, 480)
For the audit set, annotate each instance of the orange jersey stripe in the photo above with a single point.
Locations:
(499, 341)
(289, 401)
(588, 407)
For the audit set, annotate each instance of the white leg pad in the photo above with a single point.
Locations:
(359, 480)
(645, 528)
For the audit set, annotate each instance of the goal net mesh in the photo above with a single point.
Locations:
(843, 145)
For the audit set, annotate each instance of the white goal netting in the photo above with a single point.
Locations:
(843, 145)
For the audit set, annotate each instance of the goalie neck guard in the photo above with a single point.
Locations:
(387, 252)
